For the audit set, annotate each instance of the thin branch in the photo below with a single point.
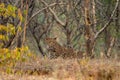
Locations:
(25, 25)
(107, 24)
(35, 14)
(54, 14)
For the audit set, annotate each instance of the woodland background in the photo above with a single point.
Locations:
(90, 26)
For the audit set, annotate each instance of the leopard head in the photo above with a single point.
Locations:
(51, 43)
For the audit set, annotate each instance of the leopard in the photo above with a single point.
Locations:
(57, 50)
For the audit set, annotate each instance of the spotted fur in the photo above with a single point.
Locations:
(57, 50)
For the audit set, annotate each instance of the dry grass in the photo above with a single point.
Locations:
(65, 69)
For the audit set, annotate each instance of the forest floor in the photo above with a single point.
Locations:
(64, 69)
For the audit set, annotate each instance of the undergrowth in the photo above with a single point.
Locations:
(9, 58)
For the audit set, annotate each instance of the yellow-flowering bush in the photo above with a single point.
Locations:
(9, 57)
(7, 11)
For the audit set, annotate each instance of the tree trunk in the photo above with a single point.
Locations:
(88, 30)
(94, 15)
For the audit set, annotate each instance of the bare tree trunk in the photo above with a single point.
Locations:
(19, 42)
(117, 24)
(68, 37)
(94, 15)
(107, 31)
(107, 40)
(110, 47)
(88, 30)
(25, 24)
(94, 23)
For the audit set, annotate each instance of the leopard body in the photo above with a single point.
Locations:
(57, 50)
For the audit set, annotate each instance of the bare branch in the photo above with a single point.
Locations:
(107, 24)
(35, 14)
(54, 14)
